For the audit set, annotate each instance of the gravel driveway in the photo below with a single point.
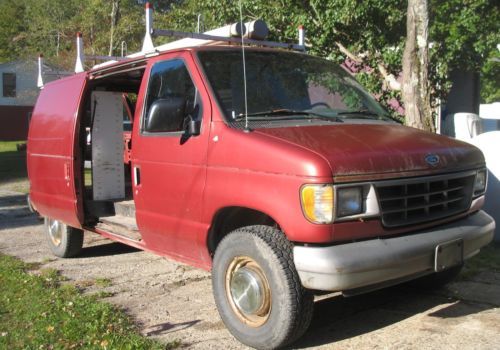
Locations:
(174, 301)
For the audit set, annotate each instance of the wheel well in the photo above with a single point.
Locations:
(232, 218)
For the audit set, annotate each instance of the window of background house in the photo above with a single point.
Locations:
(9, 84)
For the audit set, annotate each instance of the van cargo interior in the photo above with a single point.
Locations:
(106, 143)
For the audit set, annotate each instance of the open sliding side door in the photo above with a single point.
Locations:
(53, 153)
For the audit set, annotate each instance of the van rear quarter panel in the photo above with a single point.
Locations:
(52, 150)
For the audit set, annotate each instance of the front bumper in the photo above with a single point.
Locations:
(375, 262)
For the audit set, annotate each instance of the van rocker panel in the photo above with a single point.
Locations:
(376, 261)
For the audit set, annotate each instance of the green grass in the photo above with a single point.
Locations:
(103, 294)
(87, 177)
(102, 282)
(9, 146)
(488, 259)
(38, 312)
(13, 174)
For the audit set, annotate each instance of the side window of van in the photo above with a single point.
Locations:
(171, 98)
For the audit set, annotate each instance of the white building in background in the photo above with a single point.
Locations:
(18, 94)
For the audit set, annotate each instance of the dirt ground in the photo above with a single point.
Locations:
(174, 301)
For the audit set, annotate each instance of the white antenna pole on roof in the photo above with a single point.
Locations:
(147, 45)
(198, 27)
(124, 48)
(302, 36)
(79, 53)
(40, 67)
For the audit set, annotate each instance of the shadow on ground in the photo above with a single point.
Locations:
(18, 217)
(14, 212)
(168, 327)
(12, 166)
(112, 248)
(340, 318)
(11, 200)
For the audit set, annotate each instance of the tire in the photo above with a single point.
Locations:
(260, 258)
(438, 279)
(64, 241)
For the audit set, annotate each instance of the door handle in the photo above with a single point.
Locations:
(66, 171)
(137, 176)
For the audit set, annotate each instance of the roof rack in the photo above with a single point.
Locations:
(251, 33)
(81, 57)
(236, 40)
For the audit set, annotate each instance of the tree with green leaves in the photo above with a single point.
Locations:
(333, 31)
(490, 79)
(12, 30)
(370, 34)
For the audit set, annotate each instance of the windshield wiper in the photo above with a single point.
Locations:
(358, 113)
(365, 114)
(286, 114)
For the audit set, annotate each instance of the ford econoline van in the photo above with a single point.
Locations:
(285, 178)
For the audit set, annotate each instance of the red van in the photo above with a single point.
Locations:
(284, 179)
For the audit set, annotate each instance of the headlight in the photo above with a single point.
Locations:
(317, 203)
(349, 201)
(480, 182)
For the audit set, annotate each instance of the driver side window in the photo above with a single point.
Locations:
(171, 98)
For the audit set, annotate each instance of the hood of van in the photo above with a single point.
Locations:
(362, 149)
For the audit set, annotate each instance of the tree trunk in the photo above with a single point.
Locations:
(416, 92)
(114, 20)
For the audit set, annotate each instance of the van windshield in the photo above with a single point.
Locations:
(285, 86)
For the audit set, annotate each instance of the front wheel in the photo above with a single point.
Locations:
(257, 289)
(64, 241)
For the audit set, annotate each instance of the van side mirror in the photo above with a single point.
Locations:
(166, 114)
(192, 124)
(194, 127)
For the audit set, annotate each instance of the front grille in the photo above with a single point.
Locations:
(420, 200)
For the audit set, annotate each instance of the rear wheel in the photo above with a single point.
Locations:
(257, 289)
(64, 241)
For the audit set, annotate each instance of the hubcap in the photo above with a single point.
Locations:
(248, 291)
(55, 231)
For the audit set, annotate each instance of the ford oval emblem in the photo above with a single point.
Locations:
(432, 159)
